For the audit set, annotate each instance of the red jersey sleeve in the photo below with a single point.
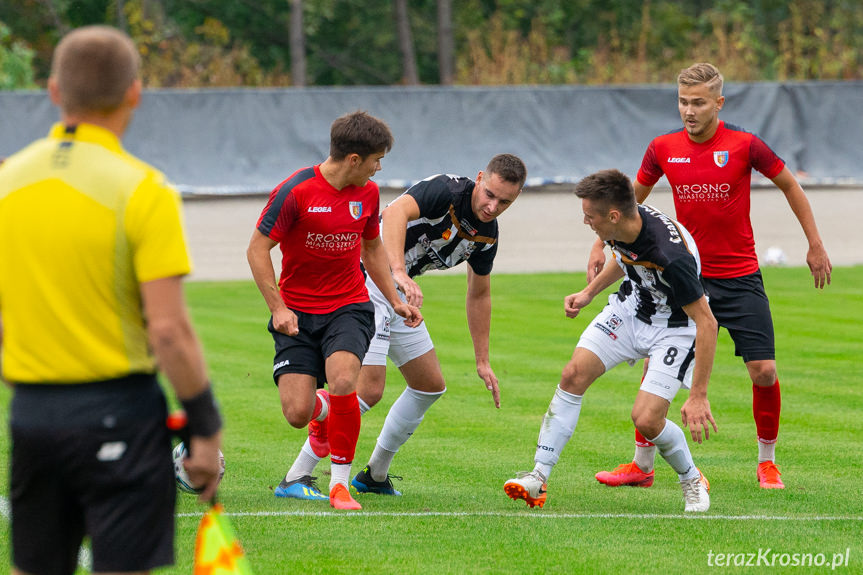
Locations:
(764, 159)
(281, 210)
(650, 170)
(372, 228)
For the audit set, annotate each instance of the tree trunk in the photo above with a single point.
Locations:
(445, 43)
(298, 44)
(121, 16)
(406, 44)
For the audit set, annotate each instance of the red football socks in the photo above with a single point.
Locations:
(640, 440)
(766, 405)
(344, 427)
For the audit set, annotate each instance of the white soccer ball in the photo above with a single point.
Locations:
(774, 256)
(184, 484)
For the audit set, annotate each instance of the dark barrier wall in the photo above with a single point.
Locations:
(248, 140)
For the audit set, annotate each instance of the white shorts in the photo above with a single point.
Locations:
(615, 337)
(392, 337)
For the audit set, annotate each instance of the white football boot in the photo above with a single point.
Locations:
(695, 493)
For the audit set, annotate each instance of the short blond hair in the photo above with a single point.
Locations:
(702, 73)
(93, 67)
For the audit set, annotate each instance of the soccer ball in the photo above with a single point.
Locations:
(184, 484)
(774, 256)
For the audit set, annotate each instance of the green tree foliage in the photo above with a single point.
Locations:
(355, 42)
(16, 62)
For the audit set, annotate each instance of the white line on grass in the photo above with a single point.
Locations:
(539, 515)
(5, 509)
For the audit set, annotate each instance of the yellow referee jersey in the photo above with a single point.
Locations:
(82, 223)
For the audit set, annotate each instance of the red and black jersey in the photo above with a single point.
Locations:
(711, 185)
(319, 231)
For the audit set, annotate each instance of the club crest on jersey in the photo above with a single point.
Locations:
(356, 209)
(720, 158)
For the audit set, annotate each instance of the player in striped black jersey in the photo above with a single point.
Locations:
(662, 268)
(659, 312)
(438, 223)
(708, 165)
(447, 231)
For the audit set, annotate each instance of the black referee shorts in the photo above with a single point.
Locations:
(349, 328)
(91, 459)
(740, 305)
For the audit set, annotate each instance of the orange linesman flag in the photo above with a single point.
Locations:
(217, 549)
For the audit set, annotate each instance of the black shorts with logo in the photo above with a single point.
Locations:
(94, 459)
(349, 328)
(740, 305)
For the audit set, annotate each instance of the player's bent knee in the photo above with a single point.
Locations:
(647, 423)
(371, 390)
(763, 374)
(574, 382)
(296, 417)
(764, 378)
(371, 396)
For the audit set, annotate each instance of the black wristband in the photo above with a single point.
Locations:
(202, 414)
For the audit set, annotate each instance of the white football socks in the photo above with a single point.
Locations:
(341, 473)
(404, 417)
(766, 451)
(304, 464)
(644, 457)
(364, 407)
(557, 426)
(673, 448)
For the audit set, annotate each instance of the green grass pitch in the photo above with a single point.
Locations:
(454, 516)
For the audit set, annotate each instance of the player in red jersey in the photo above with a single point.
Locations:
(709, 164)
(324, 218)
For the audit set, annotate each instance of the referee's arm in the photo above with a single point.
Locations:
(179, 356)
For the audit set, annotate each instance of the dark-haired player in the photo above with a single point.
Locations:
(658, 312)
(323, 218)
(438, 223)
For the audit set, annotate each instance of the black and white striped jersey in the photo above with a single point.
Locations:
(662, 270)
(447, 231)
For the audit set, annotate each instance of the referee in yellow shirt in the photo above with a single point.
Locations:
(92, 254)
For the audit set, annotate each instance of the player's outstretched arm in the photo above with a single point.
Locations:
(816, 257)
(695, 412)
(596, 260)
(574, 303)
(641, 191)
(394, 223)
(478, 308)
(375, 262)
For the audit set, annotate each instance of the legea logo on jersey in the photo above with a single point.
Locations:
(356, 209)
(673, 160)
(320, 209)
(720, 158)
